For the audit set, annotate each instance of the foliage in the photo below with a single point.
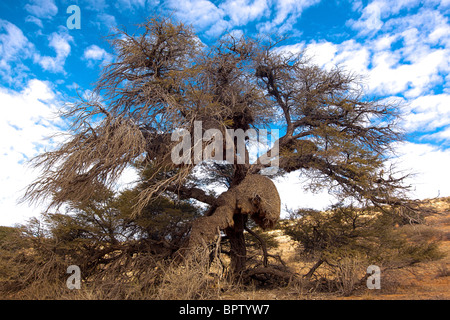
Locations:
(101, 236)
(347, 240)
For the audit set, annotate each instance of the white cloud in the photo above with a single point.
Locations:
(96, 5)
(243, 11)
(442, 136)
(388, 76)
(27, 119)
(128, 179)
(440, 35)
(202, 14)
(427, 113)
(429, 163)
(14, 47)
(12, 40)
(354, 57)
(42, 8)
(107, 21)
(130, 4)
(271, 16)
(293, 195)
(351, 55)
(36, 21)
(409, 56)
(94, 54)
(286, 13)
(285, 8)
(384, 42)
(444, 4)
(370, 20)
(321, 53)
(60, 42)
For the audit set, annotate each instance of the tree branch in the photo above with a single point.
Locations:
(192, 193)
(263, 245)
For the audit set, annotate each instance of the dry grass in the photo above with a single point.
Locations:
(143, 277)
(191, 279)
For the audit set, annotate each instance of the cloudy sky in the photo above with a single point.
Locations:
(401, 47)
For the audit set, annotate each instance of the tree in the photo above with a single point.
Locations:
(165, 81)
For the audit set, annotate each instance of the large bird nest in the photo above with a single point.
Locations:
(255, 196)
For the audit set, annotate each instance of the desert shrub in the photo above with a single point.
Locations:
(443, 270)
(347, 273)
(13, 255)
(191, 279)
(31, 262)
(120, 255)
(346, 240)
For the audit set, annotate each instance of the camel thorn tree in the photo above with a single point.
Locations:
(165, 80)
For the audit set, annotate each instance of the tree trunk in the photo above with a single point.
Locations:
(313, 269)
(238, 249)
(254, 196)
(238, 252)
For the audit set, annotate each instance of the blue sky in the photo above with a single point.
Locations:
(402, 49)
